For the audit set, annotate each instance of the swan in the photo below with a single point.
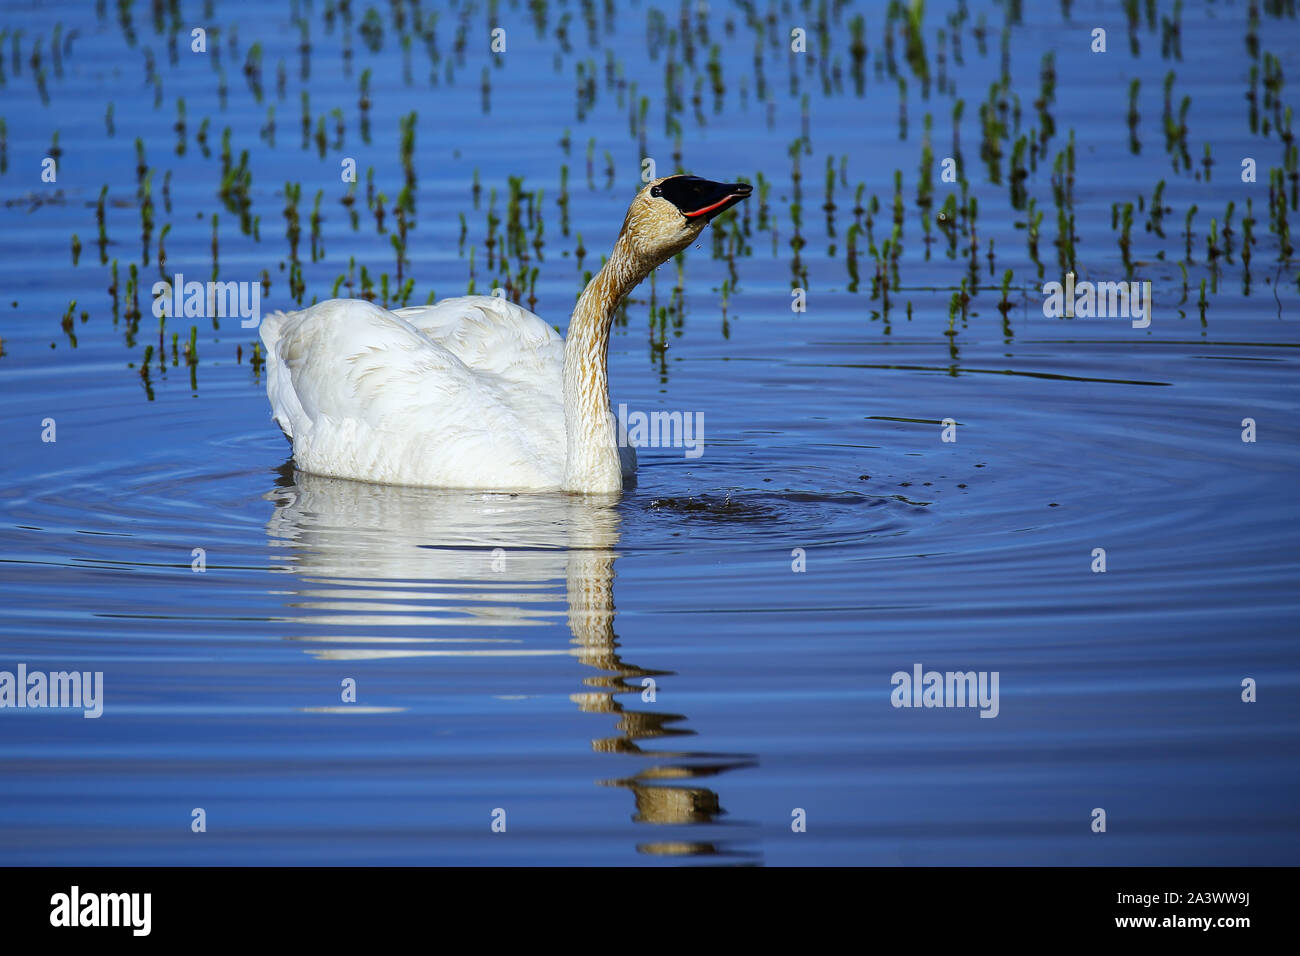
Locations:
(475, 392)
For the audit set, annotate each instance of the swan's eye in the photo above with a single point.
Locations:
(656, 191)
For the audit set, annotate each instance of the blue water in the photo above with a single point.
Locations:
(504, 647)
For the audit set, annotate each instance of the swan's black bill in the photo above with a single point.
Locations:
(698, 198)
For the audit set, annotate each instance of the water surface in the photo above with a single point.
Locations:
(667, 675)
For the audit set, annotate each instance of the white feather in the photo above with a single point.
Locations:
(467, 393)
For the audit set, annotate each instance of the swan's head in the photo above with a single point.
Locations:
(670, 213)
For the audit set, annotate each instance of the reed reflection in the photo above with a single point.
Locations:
(376, 565)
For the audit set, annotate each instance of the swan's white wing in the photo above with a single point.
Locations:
(363, 393)
(491, 334)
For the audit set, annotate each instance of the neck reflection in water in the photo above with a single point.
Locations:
(369, 558)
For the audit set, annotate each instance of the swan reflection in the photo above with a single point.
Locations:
(375, 566)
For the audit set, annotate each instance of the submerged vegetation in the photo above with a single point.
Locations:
(988, 187)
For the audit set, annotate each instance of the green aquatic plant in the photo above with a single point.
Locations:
(1157, 210)
(162, 250)
(68, 325)
(1134, 117)
(1126, 239)
(1187, 233)
(1046, 97)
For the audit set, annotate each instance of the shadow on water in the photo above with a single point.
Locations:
(379, 557)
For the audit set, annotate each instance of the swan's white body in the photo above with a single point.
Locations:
(475, 392)
(466, 393)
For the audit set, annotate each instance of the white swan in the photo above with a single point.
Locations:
(475, 392)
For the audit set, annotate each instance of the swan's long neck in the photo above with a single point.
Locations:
(592, 462)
